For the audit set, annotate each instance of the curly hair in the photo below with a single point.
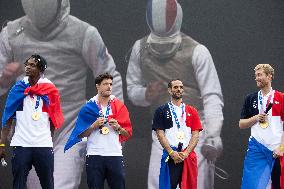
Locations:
(41, 62)
(101, 77)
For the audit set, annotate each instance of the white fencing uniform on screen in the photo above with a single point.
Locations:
(167, 54)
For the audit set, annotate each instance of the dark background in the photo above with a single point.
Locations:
(239, 35)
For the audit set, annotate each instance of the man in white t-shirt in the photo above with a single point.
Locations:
(72, 47)
(35, 103)
(263, 112)
(105, 121)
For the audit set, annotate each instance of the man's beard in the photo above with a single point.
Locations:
(176, 97)
(105, 95)
(262, 84)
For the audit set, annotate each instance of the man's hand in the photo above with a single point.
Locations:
(153, 91)
(176, 157)
(212, 148)
(183, 155)
(261, 117)
(114, 124)
(99, 122)
(278, 152)
(10, 73)
(249, 122)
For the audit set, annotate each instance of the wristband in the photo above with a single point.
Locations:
(171, 151)
(2, 145)
(281, 148)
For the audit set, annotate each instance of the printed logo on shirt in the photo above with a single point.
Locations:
(168, 115)
(254, 104)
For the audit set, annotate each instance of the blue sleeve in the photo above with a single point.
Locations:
(250, 107)
(244, 113)
(158, 121)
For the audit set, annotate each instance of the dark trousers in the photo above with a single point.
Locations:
(275, 174)
(99, 168)
(42, 158)
(175, 173)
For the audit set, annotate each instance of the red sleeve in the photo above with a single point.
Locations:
(192, 119)
(282, 107)
(121, 114)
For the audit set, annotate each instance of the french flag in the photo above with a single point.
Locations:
(161, 15)
(189, 172)
(258, 165)
(89, 114)
(43, 88)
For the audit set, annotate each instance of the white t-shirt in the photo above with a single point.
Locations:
(171, 134)
(271, 136)
(104, 145)
(28, 132)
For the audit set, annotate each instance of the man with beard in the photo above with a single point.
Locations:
(263, 112)
(71, 46)
(177, 126)
(168, 53)
(35, 103)
(105, 121)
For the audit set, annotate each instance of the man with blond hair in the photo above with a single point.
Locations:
(263, 112)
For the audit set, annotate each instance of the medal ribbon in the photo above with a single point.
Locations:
(261, 102)
(107, 111)
(37, 103)
(175, 115)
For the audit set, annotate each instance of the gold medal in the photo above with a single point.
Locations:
(36, 116)
(104, 130)
(180, 135)
(264, 125)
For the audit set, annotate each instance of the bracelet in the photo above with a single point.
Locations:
(281, 148)
(2, 145)
(172, 151)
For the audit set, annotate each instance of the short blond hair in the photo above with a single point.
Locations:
(267, 69)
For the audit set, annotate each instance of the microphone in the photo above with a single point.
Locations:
(3, 162)
(268, 107)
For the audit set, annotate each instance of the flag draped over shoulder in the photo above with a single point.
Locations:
(89, 114)
(258, 165)
(47, 91)
(86, 117)
(121, 114)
